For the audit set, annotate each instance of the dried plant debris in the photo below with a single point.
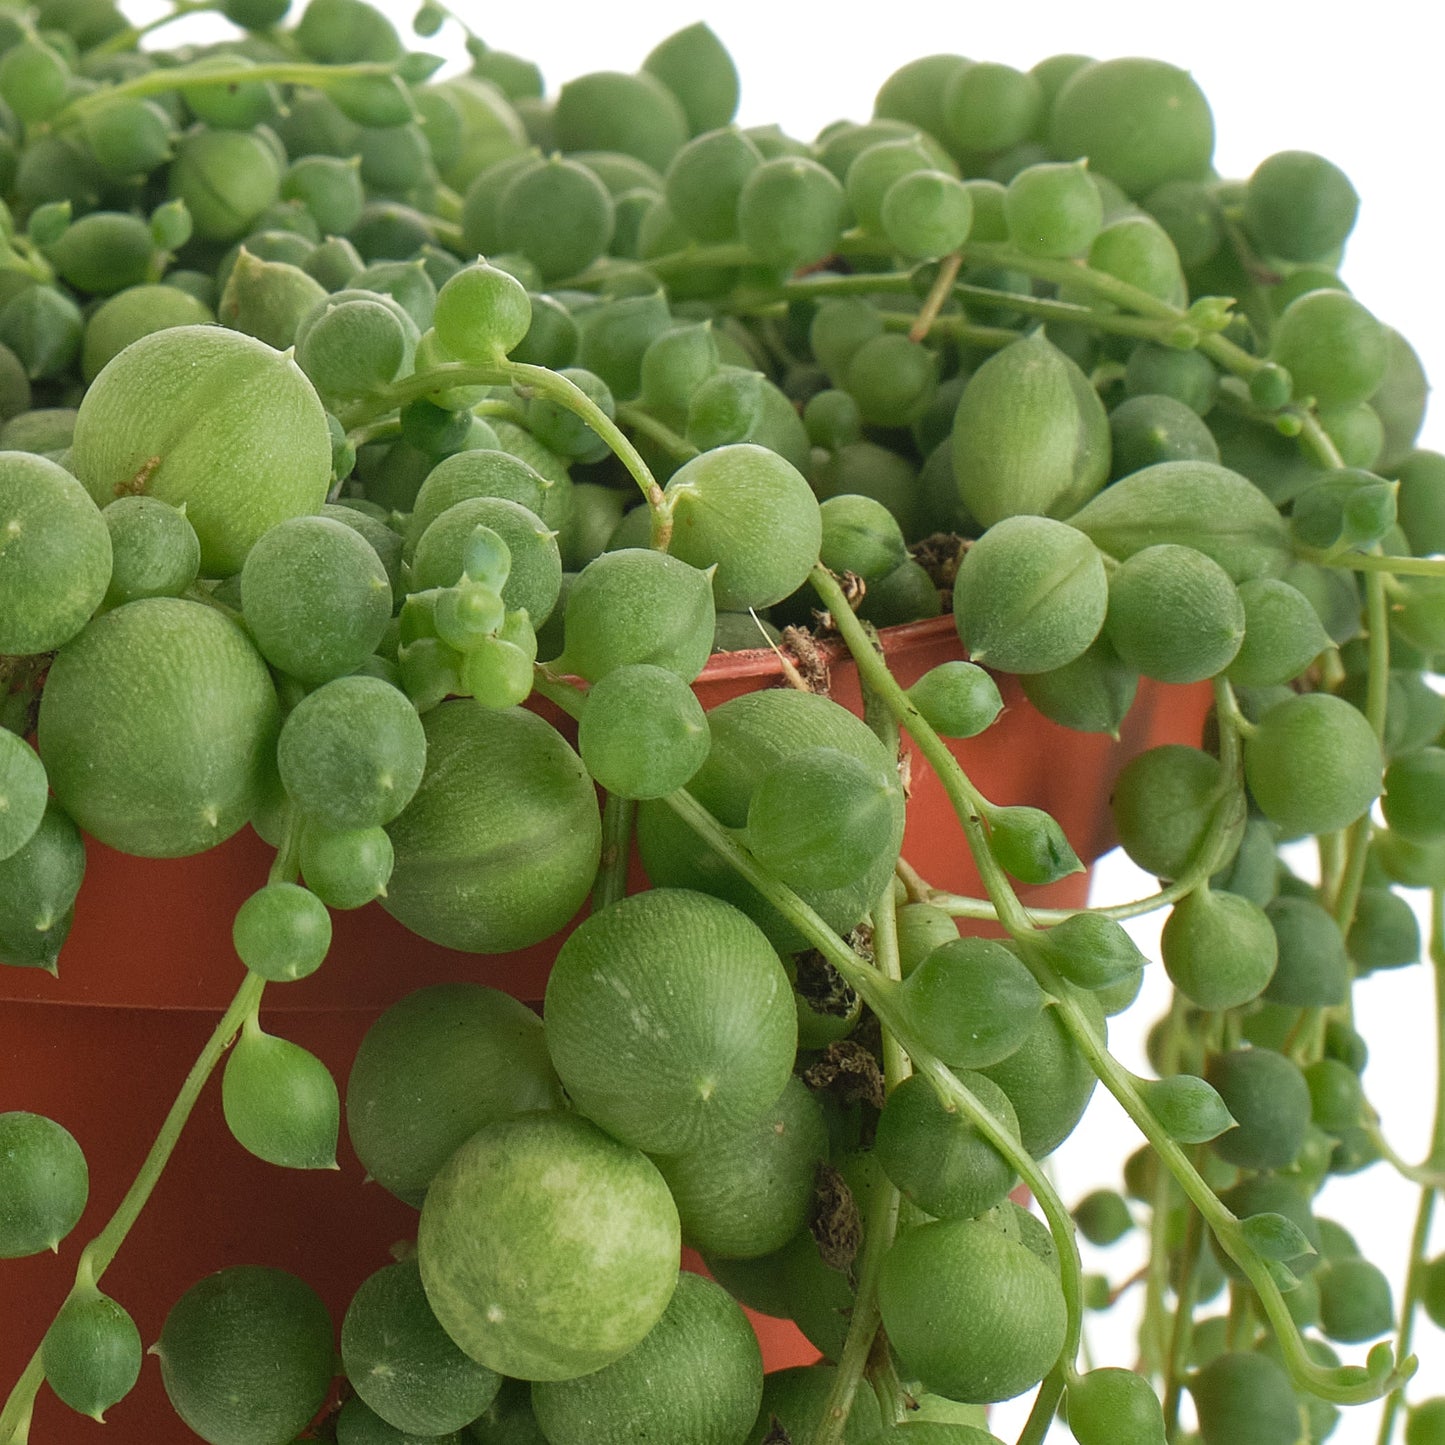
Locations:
(834, 1220)
(848, 1071)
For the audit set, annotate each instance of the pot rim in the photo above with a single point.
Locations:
(767, 662)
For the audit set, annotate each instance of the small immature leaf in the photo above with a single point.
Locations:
(497, 673)
(1271, 387)
(486, 558)
(282, 932)
(1030, 845)
(1190, 1109)
(1273, 1237)
(48, 223)
(171, 225)
(1349, 508)
(1381, 1360)
(467, 613)
(1282, 1275)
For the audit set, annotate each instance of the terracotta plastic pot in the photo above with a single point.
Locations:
(149, 966)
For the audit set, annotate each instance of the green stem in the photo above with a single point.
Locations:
(1374, 562)
(448, 205)
(1076, 276)
(162, 82)
(557, 387)
(287, 862)
(128, 38)
(1045, 1408)
(448, 233)
(938, 295)
(97, 1255)
(881, 1224)
(1420, 1239)
(1079, 277)
(1238, 1335)
(1227, 707)
(957, 1098)
(378, 431)
(1154, 1345)
(618, 815)
(1048, 309)
(897, 1066)
(1437, 962)
(535, 379)
(500, 409)
(1319, 441)
(967, 801)
(886, 958)
(956, 328)
(1177, 1356)
(1041, 307)
(983, 910)
(102, 1249)
(1426, 1176)
(1377, 690)
(676, 446)
(1331, 850)
(1346, 1385)
(880, 994)
(879, 1227)
(1419, 1242)
(692, 258)
(1231, 796)
(892, 1398)
(15, 1417)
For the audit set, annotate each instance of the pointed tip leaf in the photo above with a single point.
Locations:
(1190, 1109)
(1274, 1237)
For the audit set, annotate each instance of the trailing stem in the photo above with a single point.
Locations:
(100, 1251)
(881, 996)
(1435, 1159)
(1343, 1385)
(531, 380)
(96, 1256)
(881, 1225)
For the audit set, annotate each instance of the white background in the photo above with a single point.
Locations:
(1364, 90)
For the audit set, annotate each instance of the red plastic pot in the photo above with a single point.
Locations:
(149, 967)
